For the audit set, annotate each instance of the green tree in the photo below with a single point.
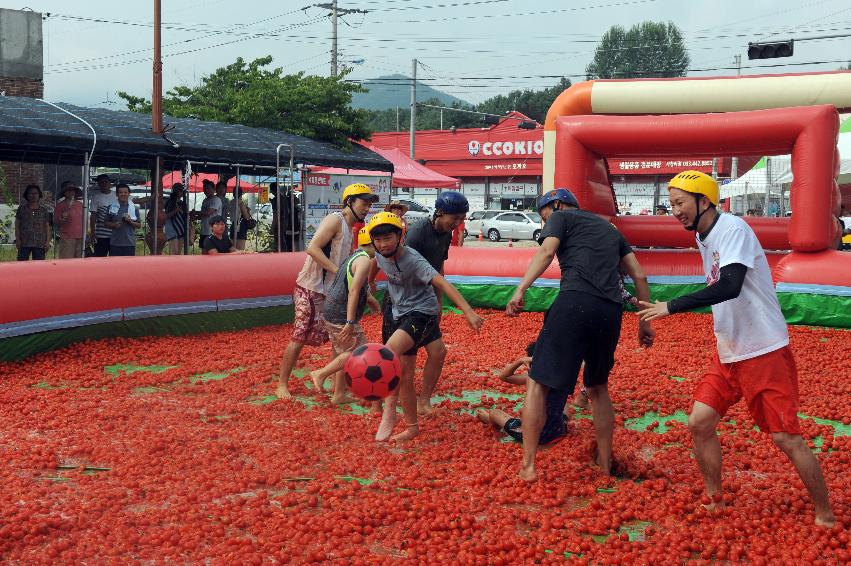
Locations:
(252, 94)
(648, 49)
(532, 103)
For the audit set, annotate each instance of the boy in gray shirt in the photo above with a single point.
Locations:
(411, 283)
(123, 219)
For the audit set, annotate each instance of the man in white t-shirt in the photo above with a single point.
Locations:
(753, 360)
(210, 206)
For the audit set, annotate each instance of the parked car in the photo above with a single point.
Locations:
(514, 225)
(473, 224)
(416, 211)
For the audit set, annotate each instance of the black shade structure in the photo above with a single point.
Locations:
(32, 130)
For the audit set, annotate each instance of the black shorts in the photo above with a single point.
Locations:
(577, 328)
(101, 247)
(512, 429)
(423, 328)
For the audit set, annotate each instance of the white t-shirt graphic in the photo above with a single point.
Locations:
(751, 324)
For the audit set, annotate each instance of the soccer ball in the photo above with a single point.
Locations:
(373, 371)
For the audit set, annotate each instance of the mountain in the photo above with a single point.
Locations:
(395, 90)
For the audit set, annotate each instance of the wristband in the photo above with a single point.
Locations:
(350, 322)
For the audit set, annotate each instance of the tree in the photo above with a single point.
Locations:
(532, 103)
(251, 94)
(648, 49)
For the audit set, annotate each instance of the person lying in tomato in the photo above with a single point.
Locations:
(556, 406)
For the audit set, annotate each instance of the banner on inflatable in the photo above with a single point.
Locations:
(322, 193)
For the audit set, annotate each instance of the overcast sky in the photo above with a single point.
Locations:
(473, 49)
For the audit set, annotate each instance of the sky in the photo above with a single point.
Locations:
(473, 49)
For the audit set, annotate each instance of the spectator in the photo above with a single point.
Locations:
(68, 215)
(661, 210)
(241, 217)
(287, 232)
(399, 209)
(123, 219)
(210, 206)
(99, 204)
(175, 224)
(218, 242)
(750, 212)
(32, 226)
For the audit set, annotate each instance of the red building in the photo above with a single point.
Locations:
(501, 166)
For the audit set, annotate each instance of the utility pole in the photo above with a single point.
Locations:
(413, 127)
(335, 12)
(157, 124)
(397, 118)
(157, 93)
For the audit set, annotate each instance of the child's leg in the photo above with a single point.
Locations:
(436, 351)
(318, 376)
(495, 417)
(288, 361)
(534, 415)
(498, 418)
(399, 342)
(408, 398)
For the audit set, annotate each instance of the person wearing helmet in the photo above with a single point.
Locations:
(330, 245)
(753, 359)
(432, 239)
(348, 295)
(584, 322)
(411, 284)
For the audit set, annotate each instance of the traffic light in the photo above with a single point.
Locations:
(771, 50)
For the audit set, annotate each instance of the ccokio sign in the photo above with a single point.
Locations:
(503, 148)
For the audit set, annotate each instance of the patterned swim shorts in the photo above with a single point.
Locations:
(308, 325)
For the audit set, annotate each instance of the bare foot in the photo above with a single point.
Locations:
(342, 399)
(581, 400)
(826, 520)
(408, 434)
(318, 382)
(482, 415)
(528, 474)
(385, 428)
(283, 392)
(424, 407)
(375, 407)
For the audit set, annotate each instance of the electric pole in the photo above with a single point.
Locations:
(734, 167)
(413, 127)
(157, 91)
(335, 12)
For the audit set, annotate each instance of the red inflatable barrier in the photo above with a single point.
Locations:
(829, 267)
(40, 289)
(668, 232)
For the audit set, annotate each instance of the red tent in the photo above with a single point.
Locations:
(407, 173)
(197, 180)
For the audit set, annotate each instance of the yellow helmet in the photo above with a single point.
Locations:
(696, 183)
(384, 219)
(359, 190)
(364, 239)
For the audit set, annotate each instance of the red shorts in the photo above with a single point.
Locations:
(769, 384)
(308, 324)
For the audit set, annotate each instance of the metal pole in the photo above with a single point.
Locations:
(156, 188)
(292, 193)
(441, 118)
(85, 183)
(413, 126)
(333, 41)
(187, 178)
(157, 94)
(237, 210)
(397, 118)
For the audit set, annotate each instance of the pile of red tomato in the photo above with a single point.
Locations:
(186, 460)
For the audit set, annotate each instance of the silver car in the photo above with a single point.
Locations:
(514, 225)
(416, 211)
(473, 224)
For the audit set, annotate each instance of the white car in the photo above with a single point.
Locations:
(514, 225)
(416, 211)
(473, 224)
